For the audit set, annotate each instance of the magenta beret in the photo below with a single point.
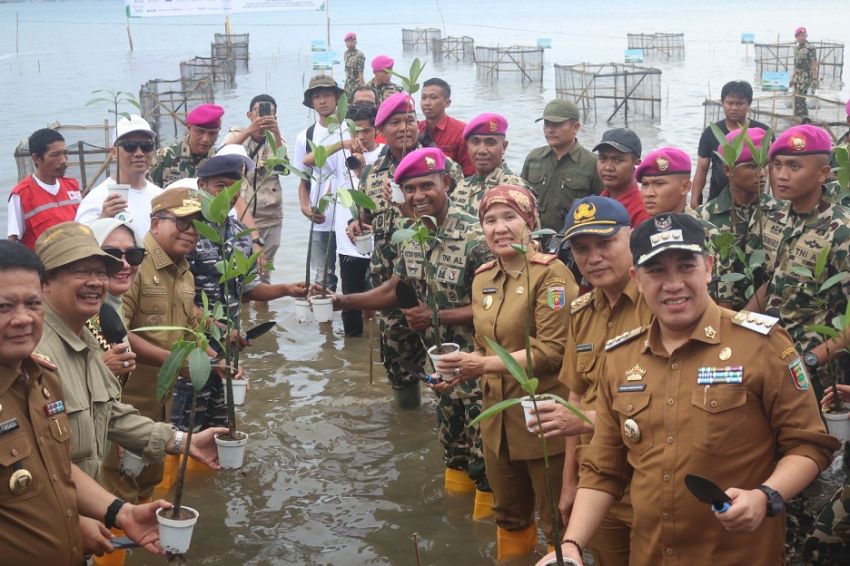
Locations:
(350, 35)
(804, 139)
(382, 62)
(487, 124)
(419, 163)
(664, 161)
(756, 135)
(799, 30)
(398, 103)
(206, 116)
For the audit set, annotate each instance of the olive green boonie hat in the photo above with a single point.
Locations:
(560, 110)
(65, 243)
(317, 83)
(179, 201)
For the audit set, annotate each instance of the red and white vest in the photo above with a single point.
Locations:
(42, 210)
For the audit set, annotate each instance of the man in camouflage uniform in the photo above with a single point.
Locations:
(804, 79)
(382, 67)
(179, 160)
(355, 62)
(442, 278)
(739, 210)
(794, 236)
(485, 142)
(396, 122)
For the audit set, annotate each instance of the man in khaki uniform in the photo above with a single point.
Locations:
(702, 391)
(486, 143)
(43, 496)
(162, 294)
(77, 275)
(598, 231)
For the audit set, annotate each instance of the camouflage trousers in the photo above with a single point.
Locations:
(462, 447)
(399, 342)
(829, 544)
(210, 406)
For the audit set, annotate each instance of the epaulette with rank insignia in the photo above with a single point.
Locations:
(543, 259)
(581, 302)
(623, 338)
(756, 321)
(43, 360)
(486, 267)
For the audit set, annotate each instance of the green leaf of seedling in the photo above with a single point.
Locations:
(571, 408)
(402, 235)
(838, 322)
(530, 386)
(169, 369)
(342, 109)
(134, 102)
(834, 280)
(520, 248)
(820, 262)
(320, 156)
(324, 202)
(98, 101)
(205, 304)
(345, 197)
(757, 258)
(718, 135)
(732, 277)
(804, 271)
(221, 266)
(730, 156)
(207, 231)
(362, 200)
(199, 368)
(537, 234)
(490, 412)
(511, 364)
(825, 331)
(750, 290)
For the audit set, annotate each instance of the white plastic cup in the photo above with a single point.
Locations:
(132, 464)
(398, 194)
(231, 453)
(528, 408)
(240, 386)
(838, 424)
(303, 313)
(364, 243)
(567, 562)
(175, 535)
(123, 191)
(323, 308)
(436, 357)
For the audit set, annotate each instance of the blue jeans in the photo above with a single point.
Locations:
(318, 251)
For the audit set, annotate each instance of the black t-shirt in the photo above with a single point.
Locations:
(707, 147)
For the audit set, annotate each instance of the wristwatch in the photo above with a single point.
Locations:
(775, 503)
(811, 360)
(259, 241)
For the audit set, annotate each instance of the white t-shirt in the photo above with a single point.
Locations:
(343, 215)
(321, 136)
(15, 223)
(138, 205)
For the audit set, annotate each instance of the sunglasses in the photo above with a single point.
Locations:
(134, 256)
(183, 224)
(131, 147)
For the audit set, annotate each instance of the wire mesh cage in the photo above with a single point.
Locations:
(780, 57)
(165, 103)
(419, 38)
(659, 46)
(777, 111)
(233, 46)
(88, 153)
(220, 72)
(611, 90)
(454, 49)
(523, 62)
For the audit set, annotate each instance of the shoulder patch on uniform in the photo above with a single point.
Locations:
(42, 360)
(543, 259)
(755, 321)
(486, 267)
(581, 302)
(623, 338)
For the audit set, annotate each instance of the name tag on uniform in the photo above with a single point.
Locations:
(148, 290)
(9, 426)
(631, 387)
(489, 290)
(584, 347)
(712, 375)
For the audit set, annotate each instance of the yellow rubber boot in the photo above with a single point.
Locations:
(169, 474)
(510, 544)
(549, 548)
(457, 481)
(114, 558)
(483, 505)
(196, 467)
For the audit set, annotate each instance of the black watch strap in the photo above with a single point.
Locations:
(775, 503)
(112, 512)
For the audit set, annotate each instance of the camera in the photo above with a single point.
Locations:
(265, 108)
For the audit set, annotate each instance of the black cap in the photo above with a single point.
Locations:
(666, 232)
(231, 166)
(621, 139)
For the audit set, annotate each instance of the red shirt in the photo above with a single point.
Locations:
(633, 202)
(448, 136)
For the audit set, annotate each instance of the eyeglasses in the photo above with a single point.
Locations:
(134, 256)
(131, 147)
(182, 224)
(86, 273)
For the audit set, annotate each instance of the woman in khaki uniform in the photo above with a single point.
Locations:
(500, 299)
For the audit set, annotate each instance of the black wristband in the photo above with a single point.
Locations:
(112, 512)
(574, 543)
